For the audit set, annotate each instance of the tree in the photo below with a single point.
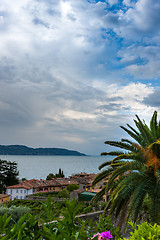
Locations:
(134, 173)
(8, 174)
(50, 176)
(60, 174)
(71, 187)
(24, 179)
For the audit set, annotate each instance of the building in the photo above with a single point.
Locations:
(33, 183)
(19, 191)
(4, 198)
(84, 180)
(48, 186)
(86, 196)
(54, 185)
(27, 187)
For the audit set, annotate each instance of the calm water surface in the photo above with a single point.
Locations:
(40, 166)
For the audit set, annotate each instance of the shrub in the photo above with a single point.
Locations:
(45, 194)
(15, 212)
(105, 224)
(72, 187)
(63, 194)
(144, 231)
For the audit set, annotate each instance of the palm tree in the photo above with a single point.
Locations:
(134, 173)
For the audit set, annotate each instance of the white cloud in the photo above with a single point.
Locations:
(141, 61)
(128, 3)
(130, 96)
(113, 2)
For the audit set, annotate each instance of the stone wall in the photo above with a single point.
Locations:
(39, 198)
(88, 216)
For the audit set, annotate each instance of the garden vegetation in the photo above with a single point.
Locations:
(68, 227)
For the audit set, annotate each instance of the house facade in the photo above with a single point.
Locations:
(19, 191)
(53, 185)
(4, 198)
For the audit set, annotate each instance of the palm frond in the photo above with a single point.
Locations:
(127, 156)
(126, 140)
(154, 125)
(158, 175)
(118, 164)
(138, 196)
(98, 196)
(102, 176)
(158, 130)
(113, 153)
(155, 147)
(122, 197)
(120, 171)
(124, 169)
(126, 181)
(144, 130)
(121, 145)
(107, 163)
(137, 137)
(137, 133)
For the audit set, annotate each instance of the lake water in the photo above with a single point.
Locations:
(40, 166)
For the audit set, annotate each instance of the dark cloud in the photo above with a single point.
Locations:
(112, 20)
(17, 107)
(153, 99)
(111, 106)
(7, 72)
(41, 22)
(72, 17)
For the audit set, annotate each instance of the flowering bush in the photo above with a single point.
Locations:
(103, 235)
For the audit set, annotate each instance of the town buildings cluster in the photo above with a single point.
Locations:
(28, 187)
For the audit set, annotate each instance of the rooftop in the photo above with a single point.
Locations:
(4, 195)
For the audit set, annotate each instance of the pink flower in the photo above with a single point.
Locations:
(103, 235)
(106, 235)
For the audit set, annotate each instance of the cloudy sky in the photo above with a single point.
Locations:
(73, 71)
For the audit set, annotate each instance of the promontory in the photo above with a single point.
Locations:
(24, 150)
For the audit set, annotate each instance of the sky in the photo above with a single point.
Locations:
(73, 71)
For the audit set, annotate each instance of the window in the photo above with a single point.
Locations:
(21, 197)
(21, 191)
(16, 197)
(17, 191)
(11, 191)
(24, 191)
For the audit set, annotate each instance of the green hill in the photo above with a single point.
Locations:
(24, 150)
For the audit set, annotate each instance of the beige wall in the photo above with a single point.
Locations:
(4, 199)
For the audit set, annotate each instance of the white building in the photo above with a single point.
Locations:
(19, 191)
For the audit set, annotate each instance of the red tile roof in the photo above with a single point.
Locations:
(19, 186)
(83, 178)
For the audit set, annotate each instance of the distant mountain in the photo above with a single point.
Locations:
(24, 150)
